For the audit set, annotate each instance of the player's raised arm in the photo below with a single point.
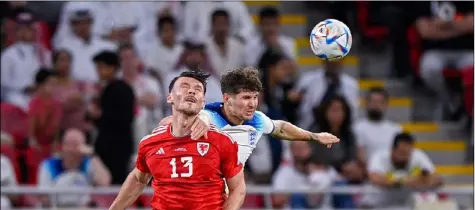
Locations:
(133, 185)
(288, 131)
(232, 170)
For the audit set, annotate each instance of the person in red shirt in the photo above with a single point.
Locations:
(45, 113)
(187, 173)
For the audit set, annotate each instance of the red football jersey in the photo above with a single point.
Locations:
(188, 174)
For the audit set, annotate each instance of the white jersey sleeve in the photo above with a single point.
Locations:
(264, 123)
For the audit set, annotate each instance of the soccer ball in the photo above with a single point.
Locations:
(330, 40)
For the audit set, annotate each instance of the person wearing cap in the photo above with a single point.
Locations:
(83, 45)
(20, 62)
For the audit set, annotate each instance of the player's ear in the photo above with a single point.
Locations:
(225, 97)
(169, 98)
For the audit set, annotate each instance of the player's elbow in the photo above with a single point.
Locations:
(139, 177)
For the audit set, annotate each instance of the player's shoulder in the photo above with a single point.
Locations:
(258, 120)
(157, 134)
(215, 133)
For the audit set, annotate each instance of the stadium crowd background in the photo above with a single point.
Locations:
(405, 79)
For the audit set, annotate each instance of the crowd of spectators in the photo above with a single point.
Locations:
(80, 89)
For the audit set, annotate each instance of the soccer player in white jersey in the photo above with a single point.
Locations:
(237, 115)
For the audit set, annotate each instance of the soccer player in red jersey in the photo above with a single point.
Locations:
(187, 174)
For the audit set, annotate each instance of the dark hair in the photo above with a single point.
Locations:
(42, 76)
(270, 58)
(58, 52)
(403, 138)
(107, 57)
(378, 90)
(198, 75)
(268, 12)
(241, 79)
(125, 46)
(165, 20)
(219, 13)
(321, 114)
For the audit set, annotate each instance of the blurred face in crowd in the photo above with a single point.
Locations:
(194, 58)
(242, 105)
(301, 152)
(336, 113)
(122, 35)
(279, 72)
(270, 26)
(129, 61)
(333, 68)
(220, 27)
(106, 72)
(167, 33)
(62, 64)
(48, 87)
(401, 154)
(73, 141)
(376, 106)
(82, 28)
(187, 96)
(26, 33)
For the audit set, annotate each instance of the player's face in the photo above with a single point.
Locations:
(187, 96)
(243, 105)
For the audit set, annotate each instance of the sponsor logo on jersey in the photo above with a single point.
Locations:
(202, 148)
(252, 137)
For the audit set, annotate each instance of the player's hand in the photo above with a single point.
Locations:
(325, 138)
(199, 128)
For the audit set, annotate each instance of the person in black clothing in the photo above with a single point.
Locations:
(446, 30)
(114, 118)
(334, 116)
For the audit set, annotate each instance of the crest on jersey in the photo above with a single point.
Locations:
(202, 148)
(252, 137)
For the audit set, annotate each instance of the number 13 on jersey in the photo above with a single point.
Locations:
(187, 163)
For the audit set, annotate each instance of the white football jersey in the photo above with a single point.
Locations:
(246, 135)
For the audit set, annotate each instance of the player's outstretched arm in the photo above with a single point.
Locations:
(131, 189)
(237, 192)
(288, 131)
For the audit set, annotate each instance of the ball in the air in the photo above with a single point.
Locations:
(331, 40)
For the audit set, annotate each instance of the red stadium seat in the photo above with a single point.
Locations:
(467, 79)
(33, 160)
(377, 33)
(14, 120)
(253, 202)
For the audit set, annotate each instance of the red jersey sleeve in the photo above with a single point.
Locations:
(230, 165)
(141, 164)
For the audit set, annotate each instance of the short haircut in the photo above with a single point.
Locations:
(165, 20)
(198, 75)
(107, 57)
(378, 90)
(268, 12)
(403, 138)
(219, 13)
(43, 75)
(241, 79)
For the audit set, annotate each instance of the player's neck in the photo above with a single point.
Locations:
(232, 119)
(181, 124)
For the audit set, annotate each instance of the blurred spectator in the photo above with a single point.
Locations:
(401, 168)
(269, 37)
(446, 29)
(76, 166)
(20, 62)
(275, 68)
(68, 93)
(147, 92)
(162, 56)
(316, 87)
(114, 116)
(8, 179)
(375, 133)
(198, 18)
(83, 45)
(303, 173)
(194, 58)
(45, 113)
(334, 116)
(225, 52)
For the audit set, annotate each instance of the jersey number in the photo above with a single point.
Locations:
(187, 163)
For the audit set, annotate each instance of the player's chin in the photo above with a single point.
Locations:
(247, 116)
